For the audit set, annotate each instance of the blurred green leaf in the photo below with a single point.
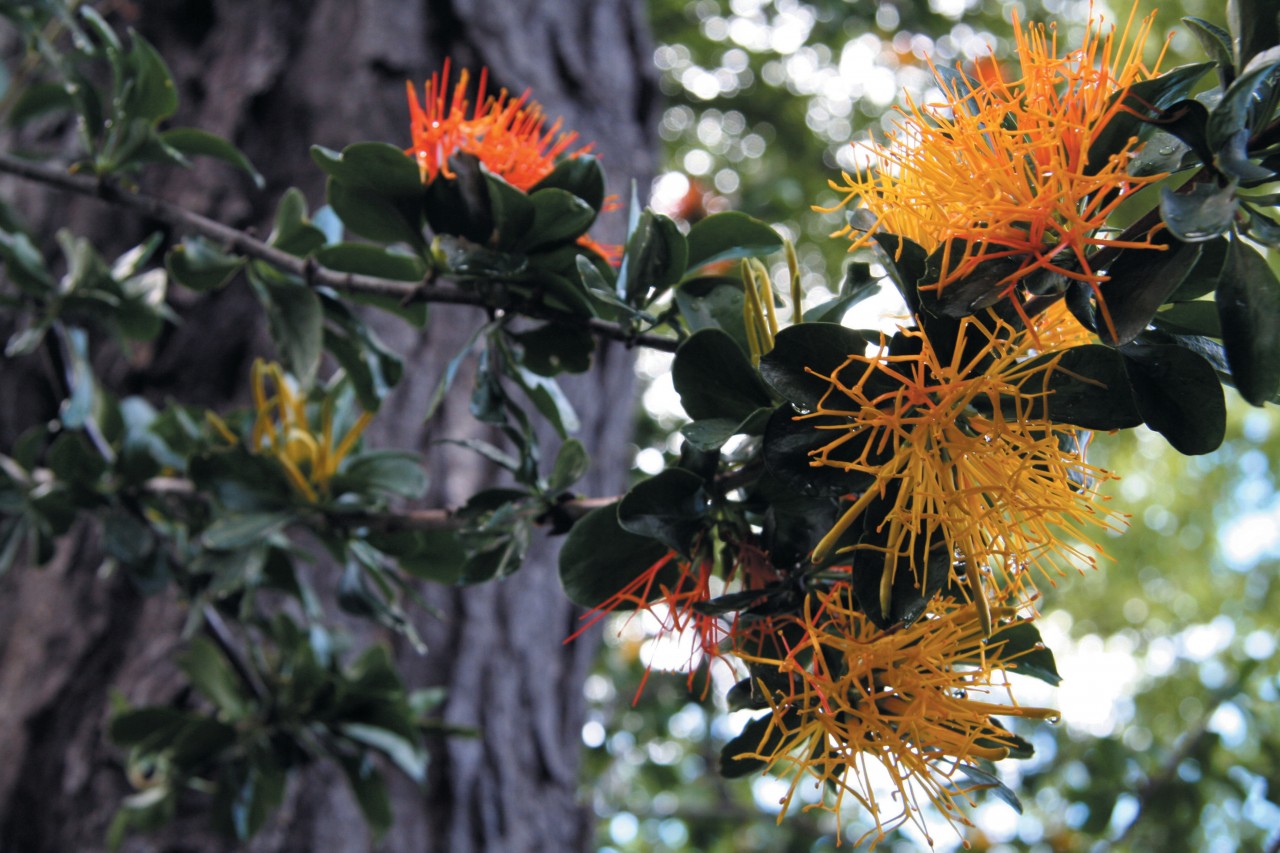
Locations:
(193, 142)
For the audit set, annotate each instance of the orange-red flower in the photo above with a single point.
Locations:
(1001, 170)
(507, 134)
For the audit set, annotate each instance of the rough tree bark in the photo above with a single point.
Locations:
(276, 77)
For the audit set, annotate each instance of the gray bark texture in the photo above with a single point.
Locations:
(275, 77)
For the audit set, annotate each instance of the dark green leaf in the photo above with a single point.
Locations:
(600, 557)
(405, 754)
(655, 259)
(711, 434)
(149, 92)
(989, 782)
(213, 676)
(126, 537)
(1178, 395)
(553, 348)
(1248, 301)
(146, 728)
(512, 211)
(788, 443)
(1242, 105)
(1189, 318)
(1089, 388)
(1142, 100)
(377, 167)
(714, 378)
(580, 175)
(1140, 282)
(37, 99)
(714, 303)
(1020, 642)
(373, 216)
(670, 507)
(1255, 26)
(292, 231)
(729, 236)
(1216, 42)
(572, 462)
(231, 532)
(296, 320)
(370, 791)
(801, 351)
(558, 216)
(759, 737)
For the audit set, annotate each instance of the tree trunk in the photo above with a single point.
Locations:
(276, 77)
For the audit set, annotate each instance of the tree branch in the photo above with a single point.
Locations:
(436, 290)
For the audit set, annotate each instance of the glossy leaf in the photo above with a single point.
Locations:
(558, 216)
(1140, 281)
(581, 175)
(1178, 395)
(1202, 212)
(571, 464)
(669, 507)
(1089, 388)
(209, 671)
(714, 378)
(655, 259)
(802, 354)
(600, 557)
(1248, 301)
(366, 259)
(397, 473)
(729, 236)
(1020, 643)
(295, 318)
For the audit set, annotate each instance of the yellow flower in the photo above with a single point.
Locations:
(909, 703)
(1003, 168)
(282, 429)
(960, 451)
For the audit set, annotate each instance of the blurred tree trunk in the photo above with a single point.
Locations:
(276, 77)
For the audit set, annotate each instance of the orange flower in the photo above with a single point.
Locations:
(506, 134)
(1002, 168)
(907, 704)
(960, 451)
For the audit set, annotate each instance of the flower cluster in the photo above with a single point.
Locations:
(508, 135)
(1002, 170)
(283, 430)
(912, 701)
(961, 454)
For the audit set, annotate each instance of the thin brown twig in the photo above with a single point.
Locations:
(437, 290)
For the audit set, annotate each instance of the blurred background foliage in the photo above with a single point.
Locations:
(1170, 738)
